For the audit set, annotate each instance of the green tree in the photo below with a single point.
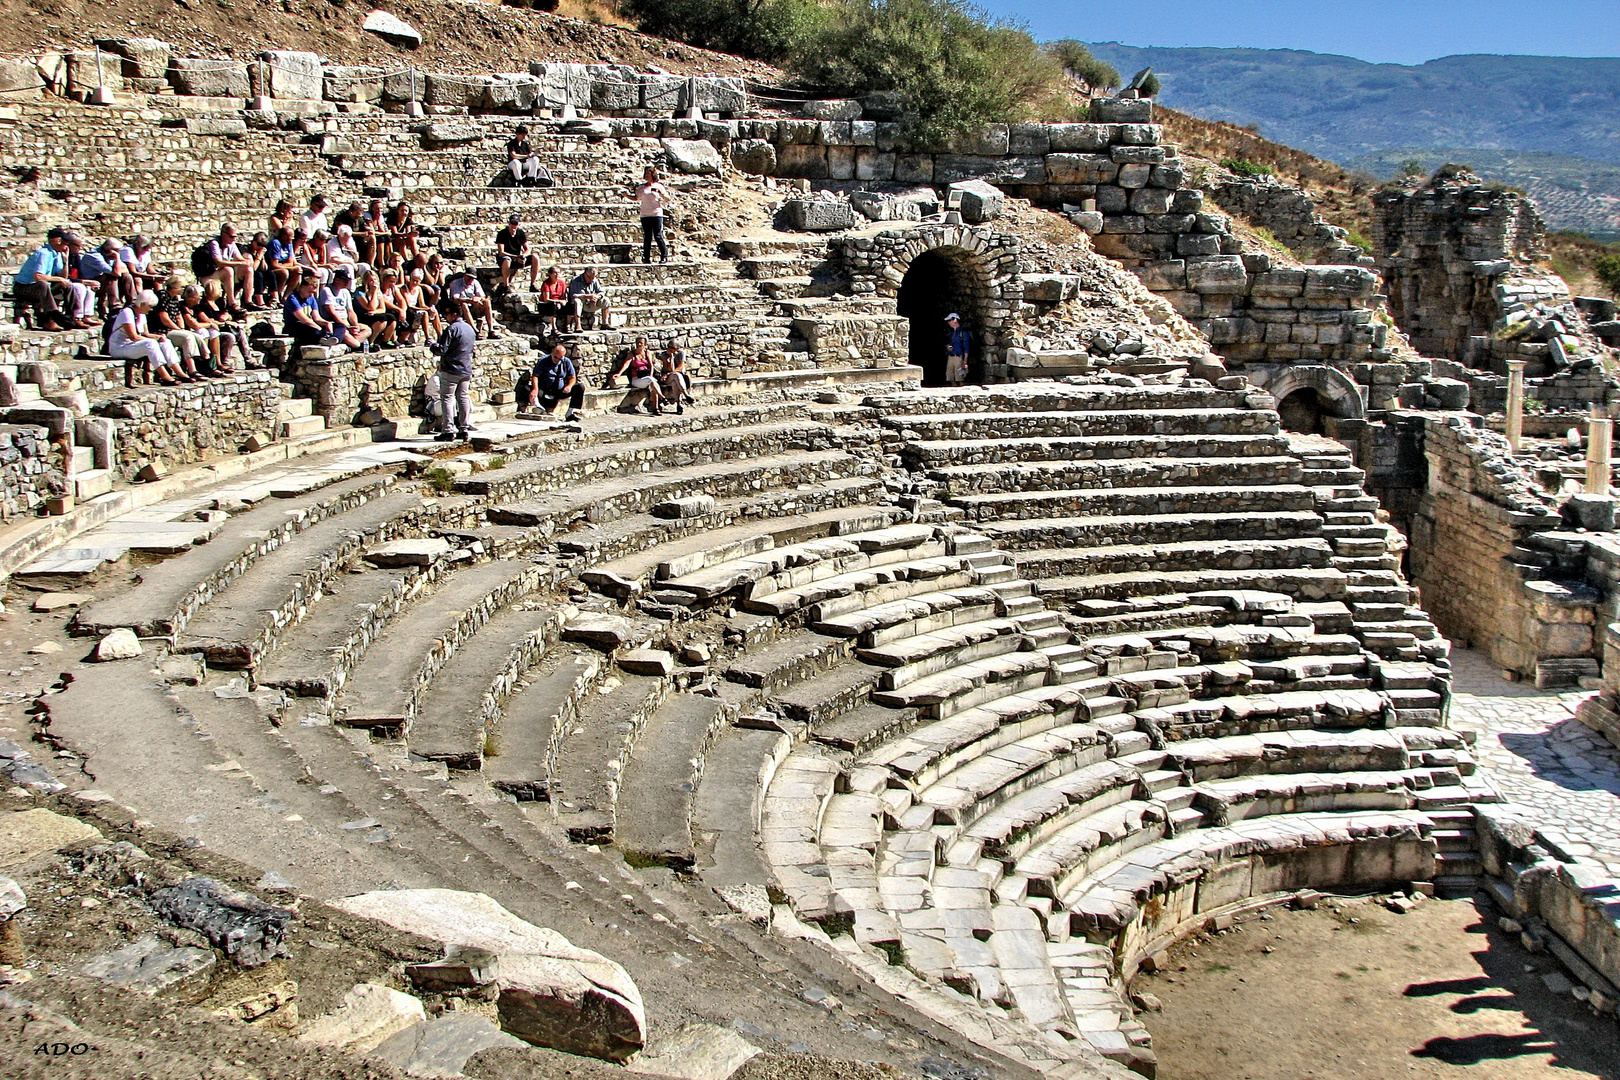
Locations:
(1413, 167)
(762, 29)
(1151, 85)
(1077, 61)
(1607, 269)
(952, 68)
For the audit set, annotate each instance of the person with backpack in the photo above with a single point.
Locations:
(301, 317)
(221, 258)
(555, 378)
(455, 351)
(637, 366)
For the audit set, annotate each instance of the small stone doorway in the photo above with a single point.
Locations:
(1301, 411)
(937, 283)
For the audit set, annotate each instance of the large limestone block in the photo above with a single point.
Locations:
(291, 74)
(756, 156)
(456, 90)
(694, 157)
(208, 78)
(819, 215)
(148, 966)
(369, 1015)
(356, 84)
(722, 95)
(142, 58)
(552, 993)
(27, 834)
(979, 201)
(696, 1052)
(512, 91)
(1217, 275)
(392, 29)
(245, 928)
(18, 75)
(440, 1048)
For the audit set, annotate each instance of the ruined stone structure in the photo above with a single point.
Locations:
(968, 701)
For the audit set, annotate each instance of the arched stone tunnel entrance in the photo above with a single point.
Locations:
(938, 283)
(1307, 394)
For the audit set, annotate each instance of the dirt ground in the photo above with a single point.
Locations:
(1353, 991)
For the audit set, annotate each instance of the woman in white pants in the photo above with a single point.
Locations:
(132, 342)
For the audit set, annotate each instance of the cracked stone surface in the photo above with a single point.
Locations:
(1541, 758)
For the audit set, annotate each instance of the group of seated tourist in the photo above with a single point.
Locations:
(559, 376)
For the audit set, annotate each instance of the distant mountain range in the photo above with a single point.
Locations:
(1548, 124)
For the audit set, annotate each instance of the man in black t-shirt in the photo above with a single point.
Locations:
(524, 162)
(512, 250)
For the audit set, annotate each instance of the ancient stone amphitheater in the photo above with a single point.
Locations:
(946, 707)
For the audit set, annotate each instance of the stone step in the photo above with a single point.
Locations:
(653, 820)
(800, 655)
(520, 756)
(305, 425)
(459, 709)
(1176, 556)
(385, 689)
(1194, 422)
(937, 454)
(1302, 584)
(1139, 473)
(830, 694)
(593, 753)
(294, 408)
(242, 621)
(314, 658)
(1167, 500)
(88, 483)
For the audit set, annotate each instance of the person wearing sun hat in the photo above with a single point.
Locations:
(957, 346)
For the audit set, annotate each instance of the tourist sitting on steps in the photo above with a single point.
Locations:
(587, 299)
(301, 317)
(637, 365)
(524, 163)
(223, 259)
(455, 351)
(403, 230)
(512, 251)
(555, 378)
(434, 281)
(313, 220)
(371, 304)
(81, 294)
(337, 304)
(215, 359)
(341, 250)
(672, 377)
(957, 346)
(171, 318)
(116, 287)
(283, 217)
(136, 255)
(283, 263)
(468, 297)
(132, 342)
(310, 254)
(41, 273)
(230, 325)
(264, 291)
(553, 299)
(419, 303)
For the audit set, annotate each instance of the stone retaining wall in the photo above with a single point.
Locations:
(392, 379)
(176, 425)
(30, 472)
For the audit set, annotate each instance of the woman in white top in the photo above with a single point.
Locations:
(132, 342)
(653, 197)
(309, 252)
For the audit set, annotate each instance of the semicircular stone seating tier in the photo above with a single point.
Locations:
(1154, 663)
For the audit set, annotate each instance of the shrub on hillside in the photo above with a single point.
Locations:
(762, 29)
(1078, 62)
(1245, 167)
(1607, 269)
(952, 69)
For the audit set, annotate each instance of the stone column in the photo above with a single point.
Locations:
(1515, 404)
(1599, 441)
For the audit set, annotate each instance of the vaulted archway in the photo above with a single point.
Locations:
(938, 283)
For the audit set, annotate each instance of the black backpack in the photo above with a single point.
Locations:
(202, 261)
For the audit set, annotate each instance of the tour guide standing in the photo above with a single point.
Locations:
(957, 344)
(654, 197)
(455, 349)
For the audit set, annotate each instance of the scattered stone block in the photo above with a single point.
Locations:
(655, 662)
(552, 992)
(697, 1051)
(27, 834)
(152, 470)
(441, 1047)
(148, 966)
(143, 58)
(819, 215)
(46, 648)
(442, 133)
(245, 928)
(693, 157)
(462, 967)
(755, 156)
(688, 507)
(392, 29)
(12, 899)
(606, 632)
(424, 551)
(368, 1016)
(696, 653)
(292, 74)
(121, 644)
(750, 901)
(980, 201)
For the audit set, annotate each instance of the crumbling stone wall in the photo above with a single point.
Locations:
(184, 423)
(1288, 213)
(1477, 518)
(335, 377)
(1461, 263)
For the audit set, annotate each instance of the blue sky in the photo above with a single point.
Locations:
(1383, 31)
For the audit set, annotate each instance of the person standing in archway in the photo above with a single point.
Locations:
(957, 346)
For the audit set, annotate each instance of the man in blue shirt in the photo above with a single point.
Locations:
(553, 379)
(301, 317)
(45, 268)
(957, 347)
(104, 266)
